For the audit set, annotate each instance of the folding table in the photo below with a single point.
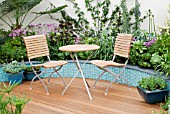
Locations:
(73, 49)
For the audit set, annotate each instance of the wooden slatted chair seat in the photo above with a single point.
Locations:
(51, 64)
(103, 64)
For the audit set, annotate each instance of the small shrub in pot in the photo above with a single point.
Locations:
(153, 89)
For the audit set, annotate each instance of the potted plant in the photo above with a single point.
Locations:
(29, 74)
(153, 89)
(14, 71)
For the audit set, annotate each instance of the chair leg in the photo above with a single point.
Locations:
(41, 82)
(50, 77)
(116, 77)
(98, 79)
(62, 79)
(32, 81)
(106, 92)
(126, 82)
(44, 85)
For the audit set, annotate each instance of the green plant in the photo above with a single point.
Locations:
(13, 67)
(152, 83)
(126, 18)
(165, 105)
(163, 49)
(140, 54)
(10, 103)
(21, 9)
(143, 35)
(29, 69)
(12, 49)
(151, 22)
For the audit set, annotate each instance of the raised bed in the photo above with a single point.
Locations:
(132, 73)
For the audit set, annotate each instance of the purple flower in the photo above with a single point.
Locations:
(149, 43)
(11, 34)
(31, 25)
(134, 39)
(18, 32)
(77, 40)
(39, 25)
(44, 32)
(24, 32)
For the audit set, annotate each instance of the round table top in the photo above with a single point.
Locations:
(79, 48)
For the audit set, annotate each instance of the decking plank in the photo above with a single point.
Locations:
(120, 99)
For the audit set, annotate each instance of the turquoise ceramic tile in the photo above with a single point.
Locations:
(91, 71)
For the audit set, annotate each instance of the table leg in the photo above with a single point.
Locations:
(82, 65)
(79, 70)
(85, 83)
(69, 83)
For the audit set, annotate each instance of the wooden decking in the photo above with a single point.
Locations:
(120, 99)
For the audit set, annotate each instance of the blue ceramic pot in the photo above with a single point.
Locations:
(30, 75)
(15, 78)
(154, 96)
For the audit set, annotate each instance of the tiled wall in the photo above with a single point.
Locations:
(91, 71)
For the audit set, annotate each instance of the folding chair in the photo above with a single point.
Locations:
(122, 49)
(37, 46)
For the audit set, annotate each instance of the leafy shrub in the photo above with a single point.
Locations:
(163, 49)
(140, 54)
(29, 69)
(10, 103)
(152, 83)
(12, 49)
(13, 67)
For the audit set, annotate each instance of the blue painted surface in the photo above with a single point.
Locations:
(133, 75)
(15, 78)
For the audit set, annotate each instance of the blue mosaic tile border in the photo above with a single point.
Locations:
(133, 75)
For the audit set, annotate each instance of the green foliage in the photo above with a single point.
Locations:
(165, 105)
(143, 35)
(151, 22)
(54, 10)
(152, 83)
(12, 49)
(106, 46)
(20, 9)
(10, 103)
(163, 51)
(13, 67)
(29, 69)
(119, 21)
(126, 18)
(137, 15)
(146, 56)
(140, 54)
(56, 40)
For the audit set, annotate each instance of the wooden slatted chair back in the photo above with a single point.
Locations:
(36, 46)
(123, 45)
